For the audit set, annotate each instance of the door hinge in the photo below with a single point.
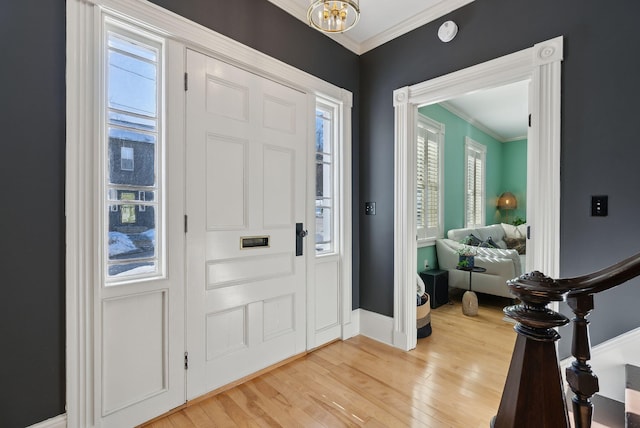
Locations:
(186, 221)
(186, 81)
(529, 120)
(186, 361)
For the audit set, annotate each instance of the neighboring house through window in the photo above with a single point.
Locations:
(133, 149)
(475, 182)
(429, 182)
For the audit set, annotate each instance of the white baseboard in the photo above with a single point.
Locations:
(376, 326)
(608, 360)
(352, 328)
(57, 422)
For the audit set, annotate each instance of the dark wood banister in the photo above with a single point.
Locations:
(533, 395)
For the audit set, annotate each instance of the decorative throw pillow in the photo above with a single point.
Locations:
(518, 244)
(489, 243)
(472, 240)
(514, 232)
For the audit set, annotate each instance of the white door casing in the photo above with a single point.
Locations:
(541, 64)
(246, 184)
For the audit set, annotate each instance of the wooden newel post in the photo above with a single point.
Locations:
(533, 396)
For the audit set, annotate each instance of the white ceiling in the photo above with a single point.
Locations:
(378, 23)
(501, 112)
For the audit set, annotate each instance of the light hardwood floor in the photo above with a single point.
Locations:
(454, 378)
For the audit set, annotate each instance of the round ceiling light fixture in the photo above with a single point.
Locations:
(333, 16)
(447, 31)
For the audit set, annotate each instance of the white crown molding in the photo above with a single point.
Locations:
(519, 138)
(426, 16)
(298, 10)
(464, 116)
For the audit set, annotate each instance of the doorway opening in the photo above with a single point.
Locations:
(540, 65)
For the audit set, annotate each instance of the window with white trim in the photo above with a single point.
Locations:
(132, 112)
(475, 183)
(327, 140)
(429, 188)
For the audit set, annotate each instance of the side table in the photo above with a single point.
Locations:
(469, 298)
(436, 282)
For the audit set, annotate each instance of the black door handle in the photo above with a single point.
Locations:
(300, 233)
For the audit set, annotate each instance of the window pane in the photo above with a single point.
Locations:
(323, 227)
(133, 133)
(120, 43)
(131, 121)
(323, 131)
(324, 185)
(132, 231)
(325, 177)
(141, 167)
(132, 84)
(125, 195)
(132, 268)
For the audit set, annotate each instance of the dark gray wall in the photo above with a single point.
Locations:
(32, 153)
(32, 211)
(599, 154)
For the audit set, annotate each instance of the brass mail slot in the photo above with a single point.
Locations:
(254, 242)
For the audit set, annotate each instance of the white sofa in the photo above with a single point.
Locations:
(502, 264)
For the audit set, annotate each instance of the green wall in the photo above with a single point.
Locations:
(514, 175)
(506, 171)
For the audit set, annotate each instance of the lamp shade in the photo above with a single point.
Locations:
(507, 201)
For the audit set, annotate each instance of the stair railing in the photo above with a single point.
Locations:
(533, 395)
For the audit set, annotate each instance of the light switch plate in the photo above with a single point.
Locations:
(599, 206)
(369, 208)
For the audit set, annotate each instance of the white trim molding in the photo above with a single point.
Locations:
(541, 65)
(59, 421)
(376, 326)
(351, 328)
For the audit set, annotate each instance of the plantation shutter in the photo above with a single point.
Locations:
(475, 184)
(421, 188)
(430, 137)
(433, 181)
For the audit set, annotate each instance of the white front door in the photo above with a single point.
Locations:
(245, 192)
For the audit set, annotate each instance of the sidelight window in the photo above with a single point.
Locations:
(326, 139)
(133, 150)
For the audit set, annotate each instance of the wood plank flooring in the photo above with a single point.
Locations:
(454, 378)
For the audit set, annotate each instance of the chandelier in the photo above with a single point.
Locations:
(333, 16)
